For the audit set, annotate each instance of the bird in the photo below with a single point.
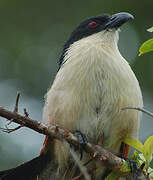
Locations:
(92, 85)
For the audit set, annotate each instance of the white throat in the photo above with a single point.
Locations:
(104, 41)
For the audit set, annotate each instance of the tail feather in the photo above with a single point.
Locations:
(29, 170)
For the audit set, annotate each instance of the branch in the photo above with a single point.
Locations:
(17, 102)
(138, 109)
(97, 152)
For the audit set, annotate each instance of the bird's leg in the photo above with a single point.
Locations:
(134, 168)
(133, 164)
(83, 141)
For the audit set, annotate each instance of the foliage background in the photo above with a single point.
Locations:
(32, 34)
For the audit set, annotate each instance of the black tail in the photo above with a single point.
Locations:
(28, 170)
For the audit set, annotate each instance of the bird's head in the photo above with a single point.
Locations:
(103, 27)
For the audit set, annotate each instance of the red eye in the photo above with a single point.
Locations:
(93, 24)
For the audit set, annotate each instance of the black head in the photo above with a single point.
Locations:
(94, 25)
(88, 27)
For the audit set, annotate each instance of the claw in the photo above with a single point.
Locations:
(134, 167)
(83, 141)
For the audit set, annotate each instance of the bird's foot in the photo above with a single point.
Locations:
(83, 141)
(134, 168)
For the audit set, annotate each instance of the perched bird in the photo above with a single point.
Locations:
(92, 84)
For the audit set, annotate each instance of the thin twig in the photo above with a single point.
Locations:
(25, 112)
(15, 107)
(17, 102)
(9, 122)
(7, 130)
(138, 109)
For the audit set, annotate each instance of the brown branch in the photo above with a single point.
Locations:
(25, 112)
(17, 102)
(138, 109)
(8, 130)
(97, 152)
(15, 111)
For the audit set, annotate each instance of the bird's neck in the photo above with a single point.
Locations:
(88, 48)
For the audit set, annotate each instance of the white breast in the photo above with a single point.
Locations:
(89, 91)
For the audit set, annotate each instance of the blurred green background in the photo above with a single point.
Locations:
(32, 34)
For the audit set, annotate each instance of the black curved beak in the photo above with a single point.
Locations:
(116, 20)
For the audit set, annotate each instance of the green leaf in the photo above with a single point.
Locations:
(150, 29)
(142, 158)
(147, 46)
(151, 175)
(150, 172)
(134, 143)
(125, 166)
(136, 157)
(148, 150)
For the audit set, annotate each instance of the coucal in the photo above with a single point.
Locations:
(92, 84)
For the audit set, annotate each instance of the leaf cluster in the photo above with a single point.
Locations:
(147, 46)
